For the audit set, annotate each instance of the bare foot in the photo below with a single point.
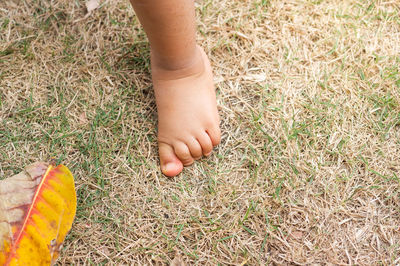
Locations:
(188, 120)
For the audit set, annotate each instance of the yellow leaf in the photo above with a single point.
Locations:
(37, 208)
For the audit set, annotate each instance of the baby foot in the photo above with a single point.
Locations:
(188, 120)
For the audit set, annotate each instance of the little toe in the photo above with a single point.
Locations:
(206, 143)
(170, 164)
(183, 153)
(215, 135)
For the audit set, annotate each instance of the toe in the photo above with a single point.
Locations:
(215, 135)
(183, 153)
(195, 148)
(170, 164)
(206, 143)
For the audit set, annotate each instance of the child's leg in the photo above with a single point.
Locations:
(188, 121)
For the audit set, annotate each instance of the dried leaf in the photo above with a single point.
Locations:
(92, 5)
(37, 208)
(177, 261)
(83, 119)
(297, 234)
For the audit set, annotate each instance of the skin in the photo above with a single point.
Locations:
(188, 120)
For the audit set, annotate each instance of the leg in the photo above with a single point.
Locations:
(188, 121)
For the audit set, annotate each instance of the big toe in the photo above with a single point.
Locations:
(170, 164)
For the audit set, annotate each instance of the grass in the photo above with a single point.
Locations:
(308, 170)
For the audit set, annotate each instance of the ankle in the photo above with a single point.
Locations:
(177, 68)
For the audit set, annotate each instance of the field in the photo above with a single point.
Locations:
(308, 171)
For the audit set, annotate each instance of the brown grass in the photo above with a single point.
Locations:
(308, 169)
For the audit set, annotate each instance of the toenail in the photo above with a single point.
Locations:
(168, 167)
(208, 154)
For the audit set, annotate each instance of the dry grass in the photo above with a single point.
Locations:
(308, 170)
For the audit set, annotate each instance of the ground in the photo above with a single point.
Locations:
(308, 169)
